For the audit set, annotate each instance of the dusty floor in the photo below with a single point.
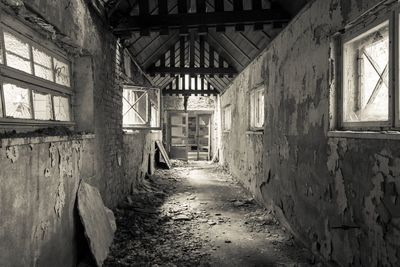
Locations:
(196, 215)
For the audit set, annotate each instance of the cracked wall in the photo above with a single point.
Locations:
(339, 196)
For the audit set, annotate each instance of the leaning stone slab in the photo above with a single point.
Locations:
(96, 220)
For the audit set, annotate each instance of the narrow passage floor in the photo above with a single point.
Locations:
(197, 215)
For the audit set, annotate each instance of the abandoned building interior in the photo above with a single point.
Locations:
(294, 104)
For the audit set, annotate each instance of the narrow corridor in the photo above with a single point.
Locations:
(197, 215)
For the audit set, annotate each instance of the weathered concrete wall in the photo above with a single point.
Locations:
(242, 149)
(81, 30)
(337, 194)
(39, 179)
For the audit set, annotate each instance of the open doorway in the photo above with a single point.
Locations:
(189, 135)
(199, 136)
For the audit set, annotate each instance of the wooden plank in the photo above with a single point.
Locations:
(190, 92)
(193, 71)
(172, 58)
(182, 6)
(143, 7)
(256, 4)
(164, 154)
(182, 51)
(202, 51)
(192, 51)
(162, 63)
(162, 7)
(220, 64)
(201, 6)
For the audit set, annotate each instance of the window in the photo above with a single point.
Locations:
(141, 107)
(366, 77)
(227, 118)
(35, 81)
(257, 109)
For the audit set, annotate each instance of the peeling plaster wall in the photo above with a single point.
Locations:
(39, 179)
(39, 176)
(338, 195)
(91, 41)
(242, 149)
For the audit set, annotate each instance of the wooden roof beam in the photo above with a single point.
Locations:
(192, 71)
(197, 20)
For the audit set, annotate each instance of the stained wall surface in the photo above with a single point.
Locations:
(39, 180)
(336, 193)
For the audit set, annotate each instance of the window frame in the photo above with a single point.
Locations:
(30, 81)
(348, 36)
(252, 108)
(149, 101)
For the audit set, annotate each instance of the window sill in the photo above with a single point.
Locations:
(384, 135)
(20, 141)
(226, 132)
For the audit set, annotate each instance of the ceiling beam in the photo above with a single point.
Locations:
(189, 92)
(192, 71)
(196, 20)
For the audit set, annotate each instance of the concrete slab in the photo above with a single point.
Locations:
(96, 220)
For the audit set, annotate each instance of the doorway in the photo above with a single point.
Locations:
(189, 135)
(178, 135)
(199, 137)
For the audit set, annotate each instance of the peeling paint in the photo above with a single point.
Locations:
(12, 153)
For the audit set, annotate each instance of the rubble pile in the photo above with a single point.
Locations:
(152, 232)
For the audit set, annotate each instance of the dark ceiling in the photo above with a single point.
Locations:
(230, 47)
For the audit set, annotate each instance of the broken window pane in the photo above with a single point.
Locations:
(134, 107)
(42, 64)
(61, 108)
(61, 70)
(42, 106)
(17, 101)
(17, 53)
(366, 76)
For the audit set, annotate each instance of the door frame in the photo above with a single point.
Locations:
(169, 135)
(198, 113)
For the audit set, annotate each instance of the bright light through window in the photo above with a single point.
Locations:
(366, 76)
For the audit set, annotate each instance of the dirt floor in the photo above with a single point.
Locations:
(197, 215)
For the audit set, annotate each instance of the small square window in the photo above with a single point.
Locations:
(42, 106)
(62, 72)
(366, 76)
(257, 109)
(61, 108)
(17, 101)
(17, 53)
(43, 65)
(227, 118)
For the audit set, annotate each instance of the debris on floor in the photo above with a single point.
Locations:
(197, 215)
